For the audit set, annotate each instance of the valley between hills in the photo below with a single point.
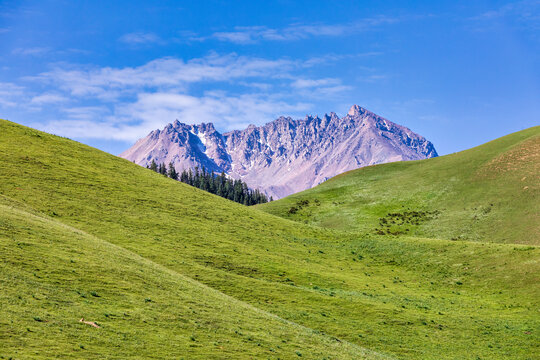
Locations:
(428, 259)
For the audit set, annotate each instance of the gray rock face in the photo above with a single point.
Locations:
(284, 156)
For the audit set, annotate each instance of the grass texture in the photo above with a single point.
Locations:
(169, 271)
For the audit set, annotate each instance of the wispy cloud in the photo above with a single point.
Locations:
(332, 58)
(108, 82)
(86, 113)
(524, 10)
(261, 86)
(31, 51)
(48, 98)
(253, 34)
(311, 83)
(130, 121)
(524, 13)
(140, 38)
(126, 103)
(10, 94)
(230, 111)
(371, 78)
(46, 51)
(317, 88)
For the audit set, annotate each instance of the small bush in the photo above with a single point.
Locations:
(293, 210)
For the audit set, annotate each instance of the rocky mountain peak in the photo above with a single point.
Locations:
(356, 110)
(284, 156)
(206, 127)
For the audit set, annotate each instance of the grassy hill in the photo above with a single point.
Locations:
(489, 193)
(53, 274)
(167, 270)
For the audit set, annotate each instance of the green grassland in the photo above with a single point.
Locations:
(169, 271)
(53, 274)
(489, 193)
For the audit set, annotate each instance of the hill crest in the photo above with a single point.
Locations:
(488, 193)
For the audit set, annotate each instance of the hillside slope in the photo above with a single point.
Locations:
(144, 244)
(53, 275)
(488, 193)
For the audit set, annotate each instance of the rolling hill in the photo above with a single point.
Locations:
(489, 193)
(169, 271)
(52, 274)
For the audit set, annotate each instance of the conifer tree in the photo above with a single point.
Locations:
(235, 190)
(183, 176)
(163, 169)
(172, 172)
(190, 178)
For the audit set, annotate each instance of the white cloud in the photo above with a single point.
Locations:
(82, 129)
(253, 34)
(256, 85)
(140, 38)
(320, 87)
(130, 121)
(10, 94)
(310, 83)
(525, 14)
(31, 51)
(240, 36)
(48, 98)
(216, 107)
(107, 82)
(374, 78)
(92, 113)
(334, 91)
(332, 58)
(527, 10)
(126, 103)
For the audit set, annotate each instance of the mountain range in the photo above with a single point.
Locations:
(284, 156)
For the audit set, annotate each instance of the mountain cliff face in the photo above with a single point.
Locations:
(284, 156)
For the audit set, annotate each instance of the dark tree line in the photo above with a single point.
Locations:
(221, 185)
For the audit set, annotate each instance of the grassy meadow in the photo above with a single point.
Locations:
(487, 194)
(169, 271)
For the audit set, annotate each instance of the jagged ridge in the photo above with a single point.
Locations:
(285, 156)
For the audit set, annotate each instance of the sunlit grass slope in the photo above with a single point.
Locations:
(52, 275)
(168, 270)
(489, 193)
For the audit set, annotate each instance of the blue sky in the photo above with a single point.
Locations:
(106, 73)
